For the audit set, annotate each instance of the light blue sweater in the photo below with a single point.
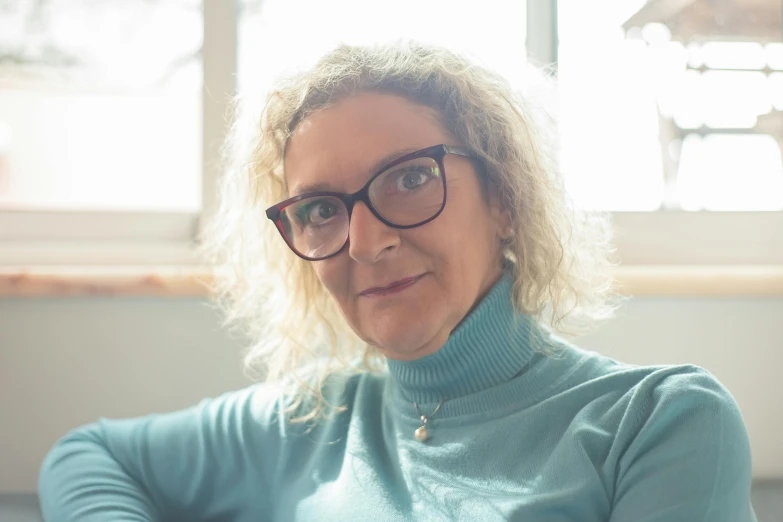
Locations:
(522, 436)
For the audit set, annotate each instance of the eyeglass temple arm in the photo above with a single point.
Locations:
(459, 151)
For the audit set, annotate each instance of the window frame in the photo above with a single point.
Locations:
(35, 238)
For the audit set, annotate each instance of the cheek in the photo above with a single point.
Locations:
(447, 238)
(465, 229)
(467, 243)
(333, 275)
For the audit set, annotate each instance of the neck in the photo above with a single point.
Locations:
(489, 347)
(442, 338)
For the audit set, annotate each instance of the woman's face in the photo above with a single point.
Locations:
(453, 259)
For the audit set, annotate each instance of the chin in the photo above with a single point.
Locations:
(406, 330)
(401, 341)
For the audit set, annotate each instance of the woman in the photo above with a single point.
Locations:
(397, 240)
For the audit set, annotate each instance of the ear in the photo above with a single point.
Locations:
(499, 214)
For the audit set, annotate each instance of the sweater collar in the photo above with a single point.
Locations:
(491, 345)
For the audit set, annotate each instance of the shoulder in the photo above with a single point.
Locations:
(690, 401)
(682, 440)
(292, 403)
(648, 385)
(684, 385)
(255, 402)
(665, 388)
(656, 401)
(679, 447)
(683, 417)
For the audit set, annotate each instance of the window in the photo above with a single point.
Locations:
(276, 37)
(671, 118)
(112, 113)
(100, 106)
(101, 156)
(672, 105)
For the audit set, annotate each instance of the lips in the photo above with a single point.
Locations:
(393, 287)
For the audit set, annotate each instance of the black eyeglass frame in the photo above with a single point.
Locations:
(436, 152)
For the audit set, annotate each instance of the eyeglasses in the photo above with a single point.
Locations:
(408, 192)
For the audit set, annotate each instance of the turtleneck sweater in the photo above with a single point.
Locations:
(530, 428)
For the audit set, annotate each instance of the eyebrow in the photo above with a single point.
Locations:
(327, 187)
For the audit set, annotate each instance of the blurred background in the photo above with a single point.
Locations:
(112, 113)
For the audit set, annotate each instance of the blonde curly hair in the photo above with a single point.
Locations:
(561, 255)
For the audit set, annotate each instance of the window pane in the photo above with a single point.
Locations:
(672, 105)
(100, 105)
(275, 38)
(730, 172)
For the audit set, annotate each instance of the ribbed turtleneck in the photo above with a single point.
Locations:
(491, 345)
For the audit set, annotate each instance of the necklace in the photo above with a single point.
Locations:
(421, 433)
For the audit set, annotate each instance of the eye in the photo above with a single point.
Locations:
(317, 213)
(412, 178)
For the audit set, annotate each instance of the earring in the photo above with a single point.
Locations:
(507, 235)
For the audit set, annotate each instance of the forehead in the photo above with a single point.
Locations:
(340, 147)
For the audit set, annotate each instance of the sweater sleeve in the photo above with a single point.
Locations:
(205, 462)
(690, 459)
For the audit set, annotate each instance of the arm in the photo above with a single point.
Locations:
(689, 460)
(198, 463)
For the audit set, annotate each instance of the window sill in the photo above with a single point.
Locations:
(193, 281)
(69, 281)
(701, 280)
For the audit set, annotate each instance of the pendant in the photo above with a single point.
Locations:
(421, 433)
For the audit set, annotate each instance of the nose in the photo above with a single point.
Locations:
(369, 239)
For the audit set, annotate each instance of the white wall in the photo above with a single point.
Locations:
(65, 362)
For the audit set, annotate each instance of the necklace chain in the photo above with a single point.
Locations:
(416, 406)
